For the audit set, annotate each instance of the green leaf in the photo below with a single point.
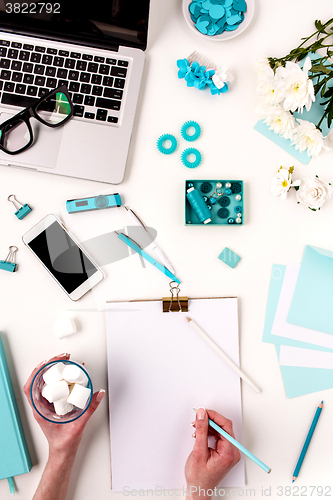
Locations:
(318, 25)
(329, 114)
(320, 68)
(328, 93)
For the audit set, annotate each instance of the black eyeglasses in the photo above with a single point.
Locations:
(54, 109)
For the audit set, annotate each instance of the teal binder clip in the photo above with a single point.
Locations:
(21, 210)
(9, 264)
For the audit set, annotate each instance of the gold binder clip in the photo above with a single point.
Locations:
(175, 303)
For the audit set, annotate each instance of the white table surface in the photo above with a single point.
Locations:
(274, 232)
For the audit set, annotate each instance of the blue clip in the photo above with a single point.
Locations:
(9, 264)
(21, 210)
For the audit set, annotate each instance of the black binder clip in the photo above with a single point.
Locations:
(9, 264)
(175, 303)
(22, 210)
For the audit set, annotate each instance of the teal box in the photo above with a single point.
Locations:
(223, 198)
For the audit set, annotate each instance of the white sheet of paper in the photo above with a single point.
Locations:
(284, 329)
(159, 370)
(307, 358)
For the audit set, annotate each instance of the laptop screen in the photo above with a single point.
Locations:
(99, 23)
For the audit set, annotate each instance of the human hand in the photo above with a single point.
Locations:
(63, 439)
(206, 467)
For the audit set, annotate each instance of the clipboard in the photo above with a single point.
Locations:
(158, 370)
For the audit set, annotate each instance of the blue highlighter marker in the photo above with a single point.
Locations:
(134, 246)
(94, 203)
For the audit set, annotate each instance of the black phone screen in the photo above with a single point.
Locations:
(62, 257)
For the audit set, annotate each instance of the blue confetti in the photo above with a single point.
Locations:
(213, 17)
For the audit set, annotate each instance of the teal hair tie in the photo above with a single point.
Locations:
(164, 138)
(186, 126)
(186, 153)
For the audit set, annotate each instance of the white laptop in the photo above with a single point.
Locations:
(97, 50)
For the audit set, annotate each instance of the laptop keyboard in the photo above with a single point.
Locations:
(95, 83)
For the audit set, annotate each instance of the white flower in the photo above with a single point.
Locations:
(308, 137)
(329, 140)
(295, 89)
(280, 121)
(283, 182)
(261, 62)
(267, 85)
(313, 193)
(222, 76)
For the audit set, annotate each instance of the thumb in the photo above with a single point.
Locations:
(201, 431)
(96, 399)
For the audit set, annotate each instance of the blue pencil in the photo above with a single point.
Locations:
(238, 445)
(307, 441)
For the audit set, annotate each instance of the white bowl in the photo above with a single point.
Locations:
(226, 35)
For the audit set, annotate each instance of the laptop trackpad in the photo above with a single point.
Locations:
(43, 152)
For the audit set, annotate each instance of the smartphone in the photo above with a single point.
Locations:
(63, 257)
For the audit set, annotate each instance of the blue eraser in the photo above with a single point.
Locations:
(228, 257)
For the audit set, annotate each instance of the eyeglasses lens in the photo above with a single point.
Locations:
(55, 109)
(15, 136)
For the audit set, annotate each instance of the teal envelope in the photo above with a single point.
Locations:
(283, 143)
(311, 306)
(298, 381)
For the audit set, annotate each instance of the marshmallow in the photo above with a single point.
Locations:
(61, 406)
(46, 393)
(74, 375)
(79, 396)
(64, 327)
(56, 391)
(54, 374)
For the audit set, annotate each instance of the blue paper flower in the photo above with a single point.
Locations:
(197, 76)
(184, 67)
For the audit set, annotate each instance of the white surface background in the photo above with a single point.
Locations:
(274, 428)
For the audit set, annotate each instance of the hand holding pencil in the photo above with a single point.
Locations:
(206, 467)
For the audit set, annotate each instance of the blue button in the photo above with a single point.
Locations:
(236, 187)
(238, 209)
(206, 187)
(223, 213)
(228, 191)
(231, 221)
(224, 201)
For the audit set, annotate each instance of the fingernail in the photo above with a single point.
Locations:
(201, 414)
(100, 395)
(193, 424)
(193, 435)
